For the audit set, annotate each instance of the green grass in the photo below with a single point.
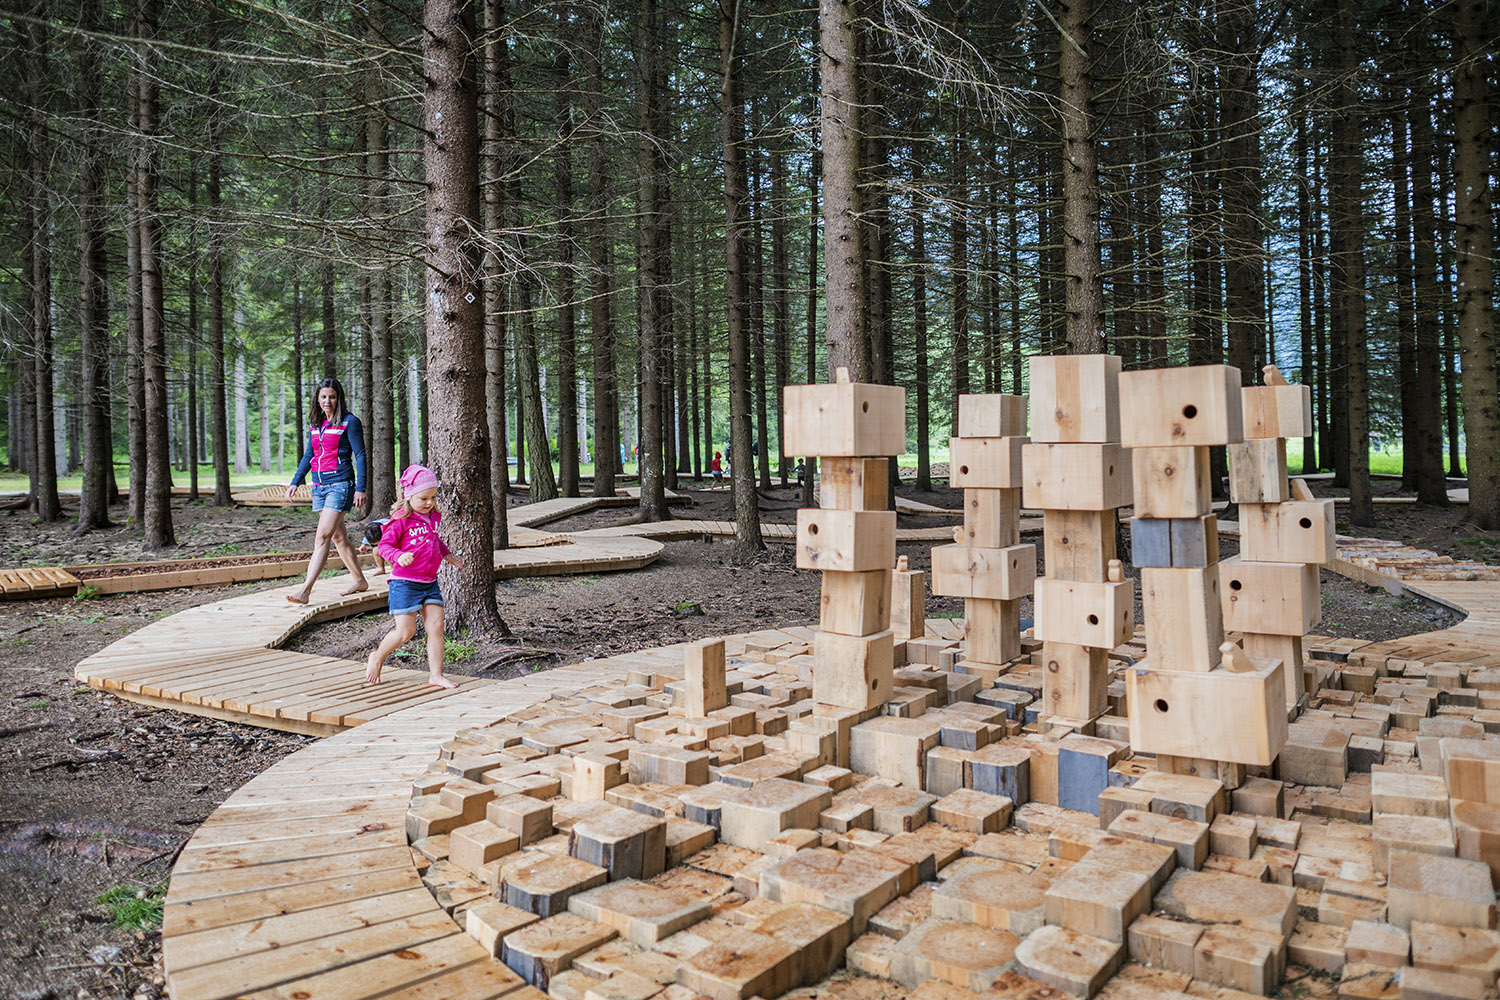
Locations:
(457, 650)
(86, 593)
(39, 703)
(134, 908)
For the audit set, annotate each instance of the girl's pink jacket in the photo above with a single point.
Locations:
(417, 534)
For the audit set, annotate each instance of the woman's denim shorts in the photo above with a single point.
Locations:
(406, 597)
(333, 496)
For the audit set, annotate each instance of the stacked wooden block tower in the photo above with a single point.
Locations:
(987, 566)
(1270, 590)
(1076, 473)
(1196, 702)
(851, 537)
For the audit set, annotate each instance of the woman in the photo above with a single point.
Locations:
(336, 457)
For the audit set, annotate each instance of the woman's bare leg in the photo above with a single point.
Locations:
(432, 621)
(406, 627)
(328, 520)
(350, 558)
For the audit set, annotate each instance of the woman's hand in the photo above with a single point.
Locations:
(405, 558)
(291, 492)
(359, 499)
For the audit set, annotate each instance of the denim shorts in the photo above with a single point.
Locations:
(333, 496)
(406, 597)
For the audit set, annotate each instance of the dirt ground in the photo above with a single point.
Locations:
(98, 794)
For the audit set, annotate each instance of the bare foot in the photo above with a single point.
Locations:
(297, 598)
(438, 680)
(372, 668)
(355, 589)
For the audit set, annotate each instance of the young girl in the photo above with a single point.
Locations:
(410, 543)
(717, 468)
(374, 531)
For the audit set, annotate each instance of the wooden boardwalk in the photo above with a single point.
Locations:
(223, 660)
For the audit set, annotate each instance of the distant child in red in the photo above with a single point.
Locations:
(410, 543)
(717, 467)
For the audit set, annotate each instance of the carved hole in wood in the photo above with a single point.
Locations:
(1306, 522)
(1093, 619)
(1190, 411)
(812, 529)
(963, 470)
(1168, 471)
(1235, 585)
(1161, 704)
(865, 406)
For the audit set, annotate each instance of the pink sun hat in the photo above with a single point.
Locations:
(416, 479)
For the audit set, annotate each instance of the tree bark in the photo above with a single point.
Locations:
(158, 513)
(93, 282)
(1405, 291)
(602, 332)
(655, 246)
(958, 257)
(1426, 451)
(844, 265)
(217, 403)
(1349, 270)
(1084, 295)
(382, 446)
(1473, 247)
(498, 154)
(567, 309)
(135, 388)
(1244, 232)
(747, 536)
(38, 261)
(920, 266)
(459, 447)
(781, 302)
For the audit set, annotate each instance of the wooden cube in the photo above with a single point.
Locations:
(1471, 768)
(593, 775)
(1287, 649)
(987, 463)
(1271, 597)
(1171, 482)
(992, 518)
(1240, 959)
(855, 884)
(1075, 680)
(971, 811)
(473, 846)
(855, 603)
(1075, 476)
(952, 952)
(740, 966)
(992, 574)
(1427, 887)
(489, 922)
(843, 418)
(1192, 406)
(1101, 615)
(845, 540)
(1075, 963)
(1075, 398)
(820, 937)
(703, 664)
(1078, 544)
(542, 883)
(894, 748)
(1002, 769)
(527, 818)
(991, 415)
(1166, 944)
(992, 631)
(1184, 623)
(1295, 531)
(1178, 542)
(1476, 827)
(543, 950)
(757, 814)
(1218, 714)
(640, 912)
(1098, 900)
(908, 604)
(1215, 897)
(626, 843)
(1277, 411)
(1468, 951)
(852, 671)
(1257, 471)
(668, 765)
(854, 483)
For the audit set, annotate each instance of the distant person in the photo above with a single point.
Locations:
(729, 453)
(717, 468)
(335, 457)
(410, 543)
(801, 471)
(373, 531)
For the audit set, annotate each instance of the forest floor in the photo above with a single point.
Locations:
(97, 795)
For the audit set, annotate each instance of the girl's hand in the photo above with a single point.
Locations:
(405, 558)
(453, 560)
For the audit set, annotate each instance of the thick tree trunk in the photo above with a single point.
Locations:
(329, 338)
(38, 259)
(602, 331)
(241, 403)
(1473, 247)
(135, 389)
(499, 126)
(844, 265)
(1426, 451)
(1305, 265)
(459, 449)
(1244, 232)
(747, 536)
(382, 444)
(158, 513)
(958, 256)
(655, 247)
(1084, 295)
(218, 405)
(567, 337)
(781, 301)
(920, 267)
(1349, 270)
(1405, 293)
(810, 470)
(93, 284)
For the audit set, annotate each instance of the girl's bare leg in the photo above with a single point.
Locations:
(350, 557)
(328, 520)
(432, 621)
(406, 627)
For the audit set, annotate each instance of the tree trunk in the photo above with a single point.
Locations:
(567, 337)
(810, 471)
(241, 404)
(602, 333)
(1426, 452)
(1473, 246)
(655, 247)
(38, 257)
(135, 389)
(325, 215)
(920, 266)
(844, 265)
(958, 257)
(382, 446)
(158, 513)
(1084, 295)
(1244, 232)
(781, 302)
(93, 284)
(1349, 271)
(459, 447)
(1305, 263)
(265, 419)
(499, 126)
(217, 402)
(1404, 292)
(747, 536)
